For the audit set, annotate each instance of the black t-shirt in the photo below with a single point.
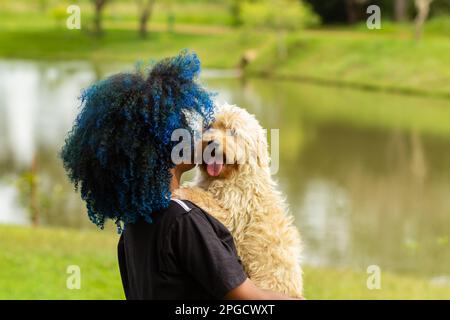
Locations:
(184, 254)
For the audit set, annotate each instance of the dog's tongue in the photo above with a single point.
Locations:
(214, 169)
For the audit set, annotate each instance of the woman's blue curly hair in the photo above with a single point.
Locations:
(118, 153)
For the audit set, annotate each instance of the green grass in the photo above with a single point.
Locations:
(362, 59)
(33, 264)
(28, 33)
(386, 59)
(346, 284)
(124, 46)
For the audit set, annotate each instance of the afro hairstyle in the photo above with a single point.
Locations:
(118, 153)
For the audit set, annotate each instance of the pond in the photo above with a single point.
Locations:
(367, 175)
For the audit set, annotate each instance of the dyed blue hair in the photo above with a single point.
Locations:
(118, 153)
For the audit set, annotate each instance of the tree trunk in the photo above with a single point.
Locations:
(423, 9)
(146, 14)
(400, 7)
(352, 15)
(143, 25)
(98, 5)
(236, 13)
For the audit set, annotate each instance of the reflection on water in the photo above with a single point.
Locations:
(367, 186)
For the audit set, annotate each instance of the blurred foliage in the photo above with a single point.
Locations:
(59, 14)
(382, 62)
(440, 7)
(438, 25)
(336, 11)
(29, 196)
(330, 11)
(351, 54)
(37, 196)
(23, 185)
(278, 14)
(236, 12)
(287, 14)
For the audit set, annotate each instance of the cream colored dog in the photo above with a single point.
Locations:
(242, 195)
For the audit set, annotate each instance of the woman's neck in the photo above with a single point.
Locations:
(176, 177)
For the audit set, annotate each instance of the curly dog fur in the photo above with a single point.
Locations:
(246, 199)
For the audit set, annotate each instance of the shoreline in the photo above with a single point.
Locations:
(370, 87)
(238, 73)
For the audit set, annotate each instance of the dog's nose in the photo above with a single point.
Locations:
(214, 144)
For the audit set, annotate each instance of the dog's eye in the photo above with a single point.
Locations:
(233, 132)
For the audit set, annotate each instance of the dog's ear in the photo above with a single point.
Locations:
(262, 153)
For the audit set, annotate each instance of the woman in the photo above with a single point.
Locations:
(119, 155)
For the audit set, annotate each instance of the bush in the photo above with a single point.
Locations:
(278, 14)
(59, 14)
(438, 25)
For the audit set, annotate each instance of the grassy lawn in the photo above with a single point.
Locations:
(124, 46)
(382, 59)
(28, 33)
(362, 59)
(33, 264)
(325, 57)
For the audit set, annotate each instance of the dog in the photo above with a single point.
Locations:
(241, 194)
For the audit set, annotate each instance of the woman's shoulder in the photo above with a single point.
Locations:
(199, 220)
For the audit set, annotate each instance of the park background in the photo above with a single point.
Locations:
(364, 119)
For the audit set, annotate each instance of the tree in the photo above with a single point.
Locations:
(339, 11)
(354, 10)
(236, 12)
(28, 188)
(145, 8)
(423, 9)
(400, 7)
(441, 7)
(99, 5)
